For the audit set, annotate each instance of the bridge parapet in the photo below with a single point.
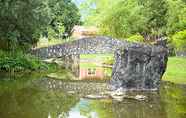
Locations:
(95, 45)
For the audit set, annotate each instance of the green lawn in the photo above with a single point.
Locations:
(176, 70)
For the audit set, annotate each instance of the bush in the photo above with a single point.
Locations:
(20, 62)
(179, 40)
(136, 38)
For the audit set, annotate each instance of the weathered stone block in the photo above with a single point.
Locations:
(139, 67)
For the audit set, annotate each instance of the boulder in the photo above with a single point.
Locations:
(139, 67)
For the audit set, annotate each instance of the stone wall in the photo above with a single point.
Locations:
(96, 45)
(139, 67)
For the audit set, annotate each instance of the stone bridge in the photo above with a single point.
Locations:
(137, 66)
(95, 45)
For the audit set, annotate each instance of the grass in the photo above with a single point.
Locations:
(45, 43)
(176, 70)
(95, 59)
(97, 56)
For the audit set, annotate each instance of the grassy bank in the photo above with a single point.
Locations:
(176, 70)
(21, 62)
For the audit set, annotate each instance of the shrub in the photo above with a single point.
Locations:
(19, 61)
(136, 38)
(179, 40)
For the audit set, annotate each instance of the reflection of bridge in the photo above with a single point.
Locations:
(97, 45)
(83, 87)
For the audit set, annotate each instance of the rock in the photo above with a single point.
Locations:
(118, 98)
(140, 97)
(118, 92)
(96, 96)
(139, 67)
(71, 92)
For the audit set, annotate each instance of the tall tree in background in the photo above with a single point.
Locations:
(21, 22)
(65, 14)
(95, 10)
(176, 16)
(155, 12)
(123, 20)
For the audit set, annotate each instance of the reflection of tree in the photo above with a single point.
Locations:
(174, 98)
(137, 109)
(28, 102)
(103, 108)
(124, 109)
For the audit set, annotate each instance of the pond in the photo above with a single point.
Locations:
(33, 96)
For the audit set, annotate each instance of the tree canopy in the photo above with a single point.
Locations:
(23, 21)
(65, 14)
(152, 19)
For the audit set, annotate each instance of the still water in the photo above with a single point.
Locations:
(33, 96)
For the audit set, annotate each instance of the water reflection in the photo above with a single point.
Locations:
(93, 73)
(87, 68)
(31, 96)
(23, 98)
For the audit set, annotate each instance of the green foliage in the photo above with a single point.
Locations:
(179, 40)
(51, 33)
(21, 22)
(155, 13)
(121, 19)
(136, 38)
(94, 10)
(176, 16)
(20, 62)
(125, 20)
(64, 14)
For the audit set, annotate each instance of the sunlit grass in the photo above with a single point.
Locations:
(45, 43)
(176, 70)
(101, 57)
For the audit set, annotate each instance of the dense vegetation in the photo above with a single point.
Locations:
(20, 62)
(152, 19)
(23, 22)
(64, 15)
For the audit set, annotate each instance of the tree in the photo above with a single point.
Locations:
(21, 22)
(94, 10)
(123, 20)
(64, 13)
(176, 16)
(155, 12)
